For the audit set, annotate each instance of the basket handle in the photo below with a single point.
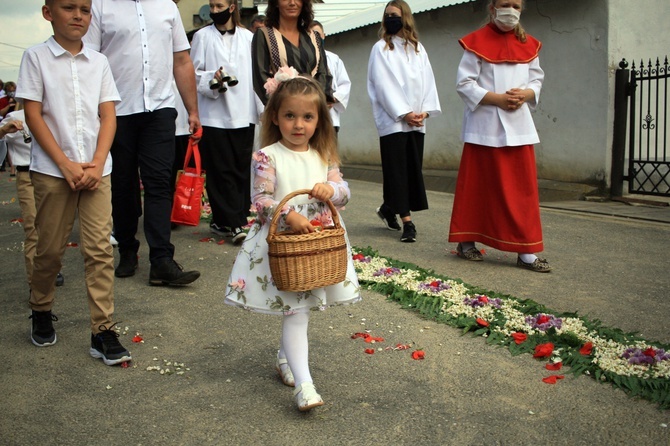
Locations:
(277, 213)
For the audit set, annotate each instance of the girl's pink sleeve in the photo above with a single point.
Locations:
(342, 193)
(263, 186)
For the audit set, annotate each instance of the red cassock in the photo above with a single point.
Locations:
(496, 201)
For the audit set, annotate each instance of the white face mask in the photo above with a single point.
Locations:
(507, 18)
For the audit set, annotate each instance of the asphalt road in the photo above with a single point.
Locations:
(464, 393)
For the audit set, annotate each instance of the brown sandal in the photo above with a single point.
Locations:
(472, 254)
(539, 265)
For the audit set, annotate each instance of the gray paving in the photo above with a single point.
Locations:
(611, 263)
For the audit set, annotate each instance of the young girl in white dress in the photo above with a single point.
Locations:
(299, 152)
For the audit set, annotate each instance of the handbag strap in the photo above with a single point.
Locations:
(192, 150)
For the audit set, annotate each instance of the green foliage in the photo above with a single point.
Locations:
(652, 389)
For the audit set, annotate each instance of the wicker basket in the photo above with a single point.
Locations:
(302, 262)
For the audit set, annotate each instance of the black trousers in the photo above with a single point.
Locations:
(226, 157)
(144, 147)
(402, 163)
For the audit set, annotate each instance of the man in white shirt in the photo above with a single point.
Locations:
(147, 48)
(341, 82)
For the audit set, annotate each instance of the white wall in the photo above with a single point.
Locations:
(579, 53)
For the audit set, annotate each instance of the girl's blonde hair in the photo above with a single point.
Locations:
(519, 32)
(324, 140)
(408, 31)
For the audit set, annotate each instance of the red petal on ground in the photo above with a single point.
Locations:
(554, 366)
(220, 242)
(138, 339)
(360, 335)
(543, 350)
(125, 364)
(72, 245)
(586, 349)
(369, 339)
(370, 351)
(16, 220)
(482, 322)
(550, 379)
(418, 354)
(519, 337)
(206, 239)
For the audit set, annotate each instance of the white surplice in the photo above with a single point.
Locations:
(399, 82)
(237, 107)
(489, 125)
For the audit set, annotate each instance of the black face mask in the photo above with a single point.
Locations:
(220, 18)
(393, 24)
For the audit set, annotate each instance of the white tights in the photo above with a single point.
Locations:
(295, 347)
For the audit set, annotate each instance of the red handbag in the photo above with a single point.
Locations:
(189, 187)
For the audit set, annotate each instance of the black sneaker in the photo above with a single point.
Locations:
(223, 231)
(408, 232)
(106, 345)
(43, 333)
(60, 279)
(127, 264)
(238, 235)
(170, 272)
(388, 217)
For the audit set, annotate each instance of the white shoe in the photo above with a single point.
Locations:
(113, 241)
(286, 375)
(306, 397)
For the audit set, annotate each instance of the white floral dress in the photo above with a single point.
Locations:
(278, 171)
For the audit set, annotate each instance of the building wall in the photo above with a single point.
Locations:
(574, 116)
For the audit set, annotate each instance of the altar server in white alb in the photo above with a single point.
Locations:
(229, 111)
(496, 200)
(341, 82)
(402, 90)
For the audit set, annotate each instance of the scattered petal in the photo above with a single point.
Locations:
(418, 354)
(552, 379)
(138, 339)
(482, 322)
(554, 366)
(370, 351)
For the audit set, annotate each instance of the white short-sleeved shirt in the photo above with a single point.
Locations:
(70, 89)
(139, 37)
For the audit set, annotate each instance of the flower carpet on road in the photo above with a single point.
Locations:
(635, 365)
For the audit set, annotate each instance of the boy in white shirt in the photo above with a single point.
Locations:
(69, 95)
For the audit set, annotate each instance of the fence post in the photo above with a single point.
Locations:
(620, 121)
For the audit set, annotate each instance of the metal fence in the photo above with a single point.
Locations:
(641, 105)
